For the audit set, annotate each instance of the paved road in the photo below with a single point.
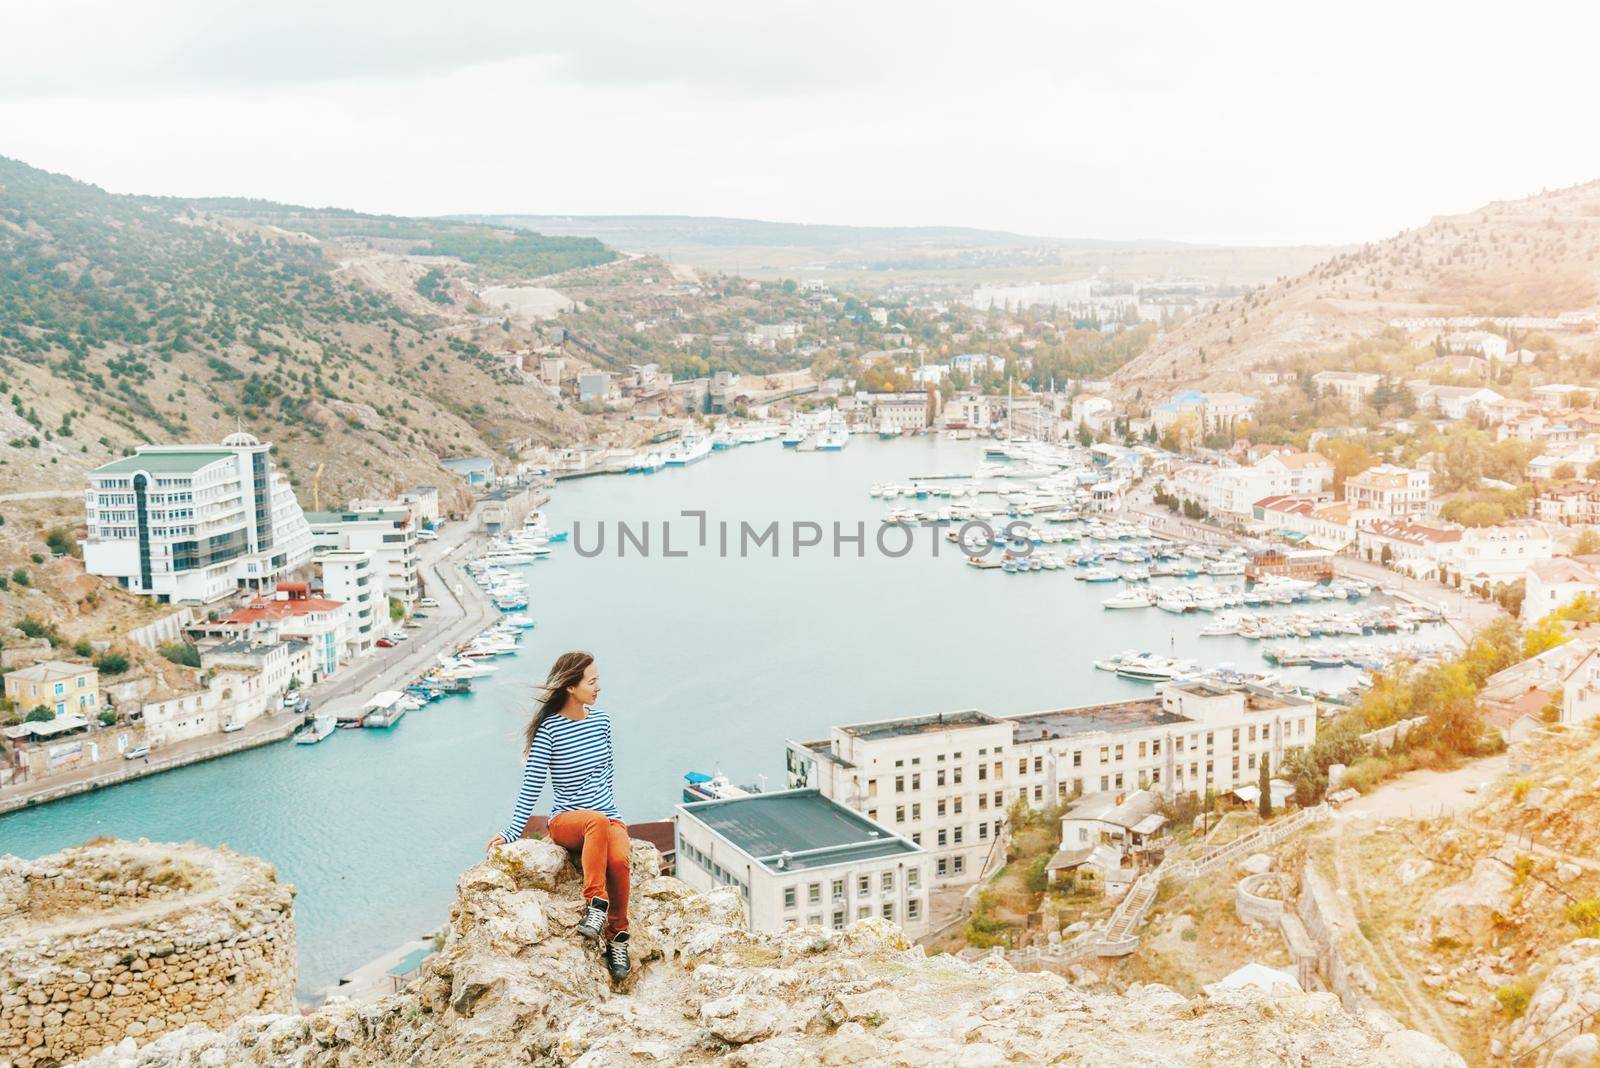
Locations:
(458, 617)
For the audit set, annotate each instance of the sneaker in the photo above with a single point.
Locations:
(594, 918)
(617, 957)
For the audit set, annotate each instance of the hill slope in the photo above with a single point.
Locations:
(333, 334)
(1535, 256)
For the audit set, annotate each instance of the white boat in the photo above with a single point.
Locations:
(451, 667)
(320, 728)
(509, 557)
(520, 621)
(1177, 600)
(887, 429)
(793, 435)
(691, 448)
(1130, 598)
(1098, 574)
(833, 439)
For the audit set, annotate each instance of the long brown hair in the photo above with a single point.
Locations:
(567, 671)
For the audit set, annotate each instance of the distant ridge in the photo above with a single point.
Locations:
(650, 232)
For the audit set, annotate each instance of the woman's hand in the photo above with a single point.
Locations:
(496, 841)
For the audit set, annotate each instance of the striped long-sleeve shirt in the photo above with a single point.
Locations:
(576, 755)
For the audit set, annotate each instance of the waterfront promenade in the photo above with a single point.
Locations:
(462, 613)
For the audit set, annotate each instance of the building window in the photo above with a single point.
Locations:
(1105, 783)
(916, 781)
(1022, 766)
(888, 911)
(863, 886)
(939, 808)
(983, 802)
(998, 803)
(913, 878)
(999, 769)
(1141, 748)
(1038, 764)
(838, 890)
(899, 784)
(838, 919)
(960, 865)
(957, 834)
(916, 810)
(1038, 792)
(790, 898)
(956, 806)
(942, 867)
(815, 919)
(940, 780)
(1250, 762)
(814, 894)
(888, 882)
(913, 909)
(863, 912)
(942, 840)
(983, 832)
(1119, 754)
(916, 839)
(983, 772)
(955, 775)
(899, 813)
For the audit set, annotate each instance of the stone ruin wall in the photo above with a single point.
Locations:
(118, 939)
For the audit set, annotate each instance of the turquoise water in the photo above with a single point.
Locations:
(705, 662)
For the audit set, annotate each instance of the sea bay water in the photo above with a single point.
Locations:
(706, 661)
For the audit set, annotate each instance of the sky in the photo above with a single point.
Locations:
(1240, 123)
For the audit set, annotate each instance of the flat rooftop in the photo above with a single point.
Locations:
(943, 721)
(813, 831)
(1093, 719)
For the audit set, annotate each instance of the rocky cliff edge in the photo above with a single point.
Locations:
(514, 985)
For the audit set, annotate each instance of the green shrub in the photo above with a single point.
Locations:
(111, 663)
(40, 714)
(1514, 996)
(107, 718)
(181, 653)
(20, 577)
(60, 541)
(37, 558)
(83, 648)
(1585, 916)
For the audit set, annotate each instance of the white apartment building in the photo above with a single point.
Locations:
(1228, 492)
(1557, 582)
(389, 534)
(946, 781)
(193, 523)
(1388, 490)
(1352, 387)
(798, 858)
(1304, 474)
(348, 575)
(927, 777)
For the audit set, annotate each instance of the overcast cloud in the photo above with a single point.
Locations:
(1258, 123)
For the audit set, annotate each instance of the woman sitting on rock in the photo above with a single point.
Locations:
(570, 740)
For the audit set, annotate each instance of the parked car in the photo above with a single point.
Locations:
(136, 752)
(428, 602)
(384, 643)
(427, 535)
(291, 698)
(412, 624)
(398, 635)
(419, 615)
(229, 728)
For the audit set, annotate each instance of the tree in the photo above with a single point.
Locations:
(1565, 472)
(397, 611)
(107, 718)
(40, 714)
(1264, 781)
(1588, 541)
(111, 663)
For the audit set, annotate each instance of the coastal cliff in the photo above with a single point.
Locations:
(513, 985)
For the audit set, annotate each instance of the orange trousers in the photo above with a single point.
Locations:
(605, 859)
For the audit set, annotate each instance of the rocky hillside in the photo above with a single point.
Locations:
(513, 985)
(1536, 256)
(352, 342)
